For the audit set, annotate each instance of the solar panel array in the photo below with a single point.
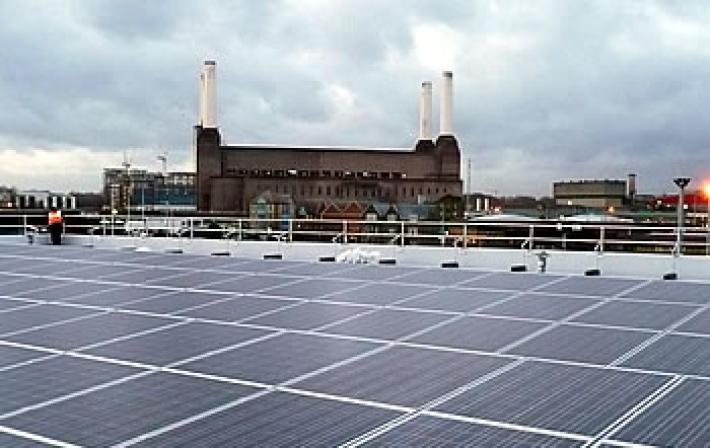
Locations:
(102, 348)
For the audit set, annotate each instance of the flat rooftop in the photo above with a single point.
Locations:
(104, 347)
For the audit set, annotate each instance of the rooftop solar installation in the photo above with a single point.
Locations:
(122, 348)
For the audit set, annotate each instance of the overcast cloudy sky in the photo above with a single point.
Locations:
(544, 90)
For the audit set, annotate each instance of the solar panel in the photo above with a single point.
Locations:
(49, 379)
(28, 318)
(403, 376)
(281, 358)
(675, 353)
(10, 440)
(636, 314)
(455, 300)
(564, 398)
(128, 409)
(387, 324)
(173, 302)
(279, 420)
(681, 418)
(15, 355)
(378, 293)
(177, 343)
(307, 316)
(508, 281)
(540, 306)
(407, 359)
(445, 433)
(582, 344)
(698, 324)
(237, 308)
(91, 330)
(479, 333)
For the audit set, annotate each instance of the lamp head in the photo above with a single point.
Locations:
(681, 182)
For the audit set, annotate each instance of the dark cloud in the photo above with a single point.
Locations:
(544, 90)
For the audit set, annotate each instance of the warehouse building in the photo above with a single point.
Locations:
(596, 193)
(230, 177)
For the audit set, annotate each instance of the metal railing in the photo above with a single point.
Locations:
(596, 237)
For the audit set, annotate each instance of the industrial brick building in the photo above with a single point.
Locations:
(230, 177)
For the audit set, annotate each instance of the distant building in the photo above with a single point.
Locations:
(601, 193)
(43, 200)
(230, 177)
(151, 191)
(7, 197)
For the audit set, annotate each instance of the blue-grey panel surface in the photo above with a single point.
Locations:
(174, 301)
(237, 308)
(378, 293)
(20, 288)
(479, 333)
(177, 343)
(192, 279)
(92, 330)
(698, 324)
(673, 292)
(119, 295)
(124, 411)
(308, 315)
(655, 316)
(440, 276)
(591, 286)
(8, 304)
(69, 291)
(511, 281)
(675, 353)
(205, 262)
(141, 275)
(425, 431)
(680, 419)
(250, 283)
(582, 344)
(279, 420)
(574, 399)
(280, 358)
(541, 306)
(456, 300)
(51, 378)
(23, 319)
(373, 272)
(14, 355)
(313, 288)
(403, 375)
(10, 441)
(317, 269)
(96, 271)
(255, 266)
(388, 324)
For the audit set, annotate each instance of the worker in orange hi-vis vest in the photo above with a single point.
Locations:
(55, 225)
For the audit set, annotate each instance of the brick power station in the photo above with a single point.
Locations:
(229, 177)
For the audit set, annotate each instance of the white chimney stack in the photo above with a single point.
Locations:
(425, 112)
(208, 95)
(447, 104)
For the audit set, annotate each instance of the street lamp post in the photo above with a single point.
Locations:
(681, 182)
(707, 222)
(127, 165)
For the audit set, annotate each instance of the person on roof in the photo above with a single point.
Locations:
(56, 225)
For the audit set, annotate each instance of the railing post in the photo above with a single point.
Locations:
(24, 225)
(465, 236)
(241, 229)
(345, 231)
(602, 238)
(290, 230)
(531, 237)
(401, 233)
(192, 228)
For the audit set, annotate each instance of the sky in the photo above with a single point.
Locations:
(544, 90)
